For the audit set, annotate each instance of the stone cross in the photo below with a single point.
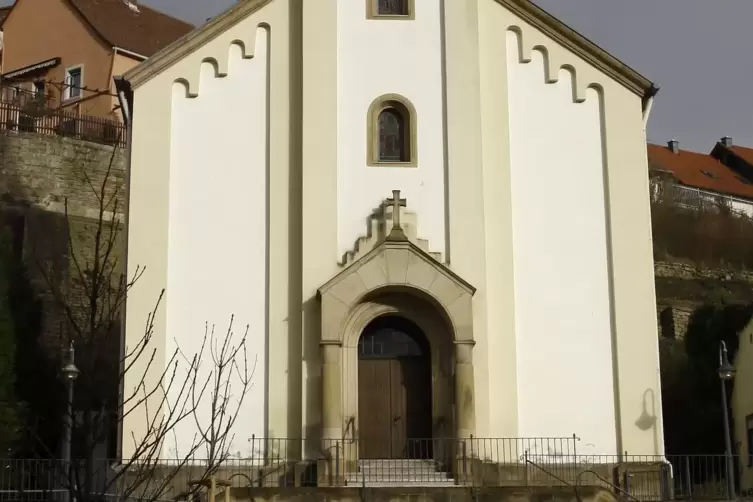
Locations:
(396, 203)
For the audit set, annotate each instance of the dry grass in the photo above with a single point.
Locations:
(709, 235)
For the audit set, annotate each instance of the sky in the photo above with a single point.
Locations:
(697, 51)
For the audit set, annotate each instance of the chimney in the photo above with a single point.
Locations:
(132, 4)
(674, 145)
(727, 141)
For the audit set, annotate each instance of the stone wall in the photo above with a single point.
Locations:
(50, 191)
(682, 288)
(423, 494)
(41, 171)
(686, 271)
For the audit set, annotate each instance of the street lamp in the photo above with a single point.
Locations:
(727, 372)
(69, 373)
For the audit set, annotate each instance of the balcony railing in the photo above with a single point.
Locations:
(23, 111)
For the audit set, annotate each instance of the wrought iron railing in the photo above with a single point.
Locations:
(470, 462)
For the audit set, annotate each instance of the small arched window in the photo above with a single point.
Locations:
(392, 138)
(392, 132)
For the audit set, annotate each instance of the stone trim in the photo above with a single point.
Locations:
(415, 251)
(464, 351)
(438, 335)
(396, 265)
(580, 46)
(408, 111)
(398, 277)
(525, 9)
(190, 42)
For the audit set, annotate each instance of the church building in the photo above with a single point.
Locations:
(432, 215)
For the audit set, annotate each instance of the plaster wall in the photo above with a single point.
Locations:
(560, 253)
(217, 229)
(624, 305)
(476, 156)
(377, 57)
(199, 201)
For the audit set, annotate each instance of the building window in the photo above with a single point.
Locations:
(39, 89)
(74, 83)
(749, 438)
(391, 132)
(392, 138)
(391, 9)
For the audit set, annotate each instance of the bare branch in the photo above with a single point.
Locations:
(205, 389)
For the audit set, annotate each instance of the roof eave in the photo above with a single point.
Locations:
(525, 9)
(131, 54)
(25, 70)
(192, 41)
(583, 47)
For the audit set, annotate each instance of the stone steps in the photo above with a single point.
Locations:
(398, 472)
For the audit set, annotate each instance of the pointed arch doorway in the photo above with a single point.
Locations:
(394, 390)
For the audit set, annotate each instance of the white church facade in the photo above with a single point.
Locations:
(432, 215)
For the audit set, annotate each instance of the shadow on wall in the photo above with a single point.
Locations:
(32, 369)
(691, 390)
(36, 174)
(35, 400)
(648, 419)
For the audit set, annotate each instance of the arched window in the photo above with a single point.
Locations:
(392, 132)
(392, 138)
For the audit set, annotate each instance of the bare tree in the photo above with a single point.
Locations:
(92, 303)
(225, 401)
(147, 474)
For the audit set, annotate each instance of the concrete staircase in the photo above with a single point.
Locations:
(398, 472)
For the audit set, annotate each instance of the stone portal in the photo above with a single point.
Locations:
(400, 284)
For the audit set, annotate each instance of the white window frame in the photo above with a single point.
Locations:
(67, 89)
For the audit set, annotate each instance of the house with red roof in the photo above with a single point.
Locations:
(67, 51)
(723, 176)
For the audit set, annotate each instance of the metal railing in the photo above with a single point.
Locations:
(470, 462)
(59, 122)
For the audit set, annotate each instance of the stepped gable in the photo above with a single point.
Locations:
(381, 225)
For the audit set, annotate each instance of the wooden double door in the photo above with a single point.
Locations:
(394, 391)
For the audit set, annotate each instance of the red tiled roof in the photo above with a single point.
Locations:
(744, 153)
(143, 30)
(700, 170)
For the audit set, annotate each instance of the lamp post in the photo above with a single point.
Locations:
(69, 373)
(727, 372)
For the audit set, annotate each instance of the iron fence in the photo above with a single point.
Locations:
(471, 462)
